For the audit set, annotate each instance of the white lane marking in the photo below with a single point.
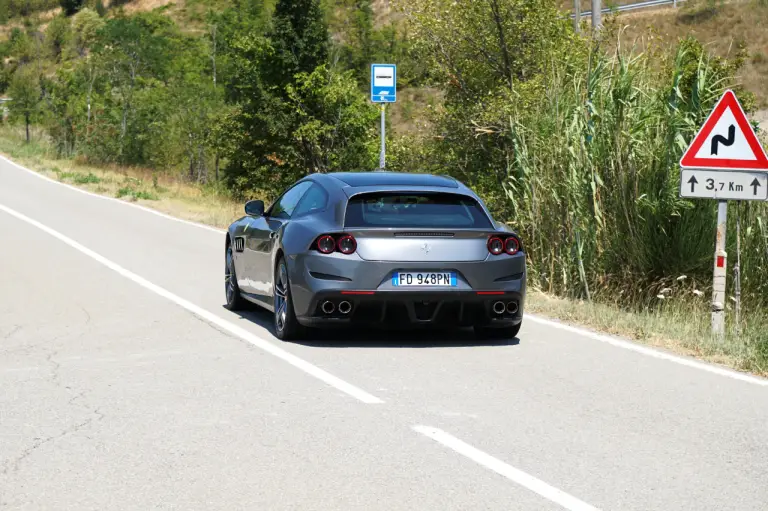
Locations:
(233, 329)
(513, 474)
(628, 345)
(113, 199)
(554, 324)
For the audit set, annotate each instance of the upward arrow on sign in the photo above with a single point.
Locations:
(726, 141)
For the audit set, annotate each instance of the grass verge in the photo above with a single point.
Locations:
(680, 325)
(160, 191)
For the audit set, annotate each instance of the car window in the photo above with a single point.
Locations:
(421, 210)
(314, 200)
(285, 205)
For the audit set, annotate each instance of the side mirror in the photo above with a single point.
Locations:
(254, 208)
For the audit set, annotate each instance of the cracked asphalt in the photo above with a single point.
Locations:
(113, 397)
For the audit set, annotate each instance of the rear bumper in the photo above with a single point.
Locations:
(367, 287)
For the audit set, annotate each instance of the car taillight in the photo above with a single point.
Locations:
(329, 243)
(326, 244)
(511, 246)
(495, 245)
(498, 245)
(347, 244)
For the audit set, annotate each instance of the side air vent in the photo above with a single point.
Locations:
(424, 235)
(239, 244)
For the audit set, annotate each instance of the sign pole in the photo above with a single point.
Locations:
(718, 282)
(383, 91)
(725, 161)
(382, 154)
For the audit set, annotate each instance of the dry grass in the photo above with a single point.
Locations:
(676, 327)
(722, 30)
(158, 191)
(38, 19)
(410, 113)
(146, 5)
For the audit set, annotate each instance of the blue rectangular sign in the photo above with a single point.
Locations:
(383, 83)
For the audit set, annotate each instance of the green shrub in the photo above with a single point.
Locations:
(146, 195)
(86, 179)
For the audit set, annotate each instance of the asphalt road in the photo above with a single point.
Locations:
(125, 384)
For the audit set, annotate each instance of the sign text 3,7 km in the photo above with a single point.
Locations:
(708, 184)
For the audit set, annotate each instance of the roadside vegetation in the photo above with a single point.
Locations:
(572, 140)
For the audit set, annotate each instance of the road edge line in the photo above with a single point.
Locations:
(205, 315)
(651, 352)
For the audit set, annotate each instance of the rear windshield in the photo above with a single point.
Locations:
(415, 210)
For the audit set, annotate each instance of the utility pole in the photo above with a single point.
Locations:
(718, 283)
(596, 13)
(576, 15)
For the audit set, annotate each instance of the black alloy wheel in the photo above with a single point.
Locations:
(231, 289)
(286, 325)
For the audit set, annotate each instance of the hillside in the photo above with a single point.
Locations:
(723, 30)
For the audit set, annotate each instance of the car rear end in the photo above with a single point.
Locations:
(412, 257)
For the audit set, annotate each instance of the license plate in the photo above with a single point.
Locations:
(424, 279)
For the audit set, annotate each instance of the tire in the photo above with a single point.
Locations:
(286, 325)
(498, 333)
(235, 300)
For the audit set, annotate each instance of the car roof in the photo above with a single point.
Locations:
(388, 178)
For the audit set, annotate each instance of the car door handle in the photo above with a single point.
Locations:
(272, 235)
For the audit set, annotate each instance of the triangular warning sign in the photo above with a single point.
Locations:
(726, 141)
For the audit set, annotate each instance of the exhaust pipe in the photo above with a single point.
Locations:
(498, 307)
(511, 307)
(345, 307)
(328, 307)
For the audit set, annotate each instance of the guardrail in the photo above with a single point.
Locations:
(632, 7)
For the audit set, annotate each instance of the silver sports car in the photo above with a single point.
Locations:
(377, 248)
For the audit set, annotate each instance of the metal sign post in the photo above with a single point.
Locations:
(718, 281)
(383, 90)
(725, 161)
(383, 151)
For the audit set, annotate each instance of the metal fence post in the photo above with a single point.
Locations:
(577, 16)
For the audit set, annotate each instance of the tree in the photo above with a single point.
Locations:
(479, 45)
(58, 35)
(299, 39)
(263, 152)
(85, 25)
(135, 52)
(334, 122)
(5, 11)
(70, 7)
(25, 95)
